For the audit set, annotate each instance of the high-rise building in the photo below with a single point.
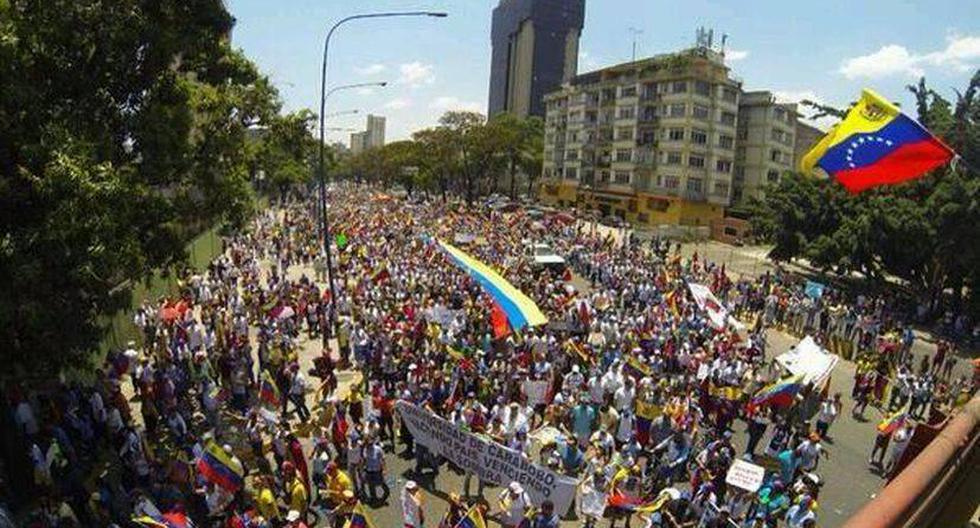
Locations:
(358, 142)
(535, 50)
(375, 131)
(651, 141)
(771, 140)
(766, 143)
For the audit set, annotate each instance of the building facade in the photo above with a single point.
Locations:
(651, 141)
(535, 50)
(771, 140)
(766, 144)
(375, 131)
(358, 142)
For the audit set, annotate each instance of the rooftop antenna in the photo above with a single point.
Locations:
(635, 32)
(724, 39)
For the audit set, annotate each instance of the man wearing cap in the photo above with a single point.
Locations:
(412, 514)
(293, 520)
(514, 505)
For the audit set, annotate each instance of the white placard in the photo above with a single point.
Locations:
(745, 475)
(489, 460)
(536, 391)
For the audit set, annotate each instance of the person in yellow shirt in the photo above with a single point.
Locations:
(299, 497)
(265, 499)
(337, 482)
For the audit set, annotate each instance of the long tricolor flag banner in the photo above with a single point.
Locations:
(473, 519)
(876, 144)
(519, 309)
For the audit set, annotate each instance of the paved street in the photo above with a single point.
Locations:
(849, 481)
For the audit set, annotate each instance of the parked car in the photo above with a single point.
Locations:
(542, 256)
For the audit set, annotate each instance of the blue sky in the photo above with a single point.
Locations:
(826, 50)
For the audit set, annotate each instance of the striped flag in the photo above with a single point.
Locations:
(358, 518)
(269, 393)
(473, 519)
(220, 468)
(891, 423)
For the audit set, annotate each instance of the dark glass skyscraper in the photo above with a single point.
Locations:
(535, 49)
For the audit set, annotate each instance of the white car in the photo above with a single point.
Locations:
(543, 256)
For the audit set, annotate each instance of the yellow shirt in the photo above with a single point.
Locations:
(265, 501)
(337, 484)
(298, 497)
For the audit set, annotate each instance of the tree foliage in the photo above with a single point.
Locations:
(123, 125)
(923, 232)
(465, 154)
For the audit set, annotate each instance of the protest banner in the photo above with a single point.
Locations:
(745, 475)
(485, 458)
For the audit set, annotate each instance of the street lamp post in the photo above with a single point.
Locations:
(324, 233)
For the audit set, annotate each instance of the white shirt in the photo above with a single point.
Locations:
(514, 513)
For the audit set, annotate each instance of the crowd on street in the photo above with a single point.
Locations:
(211, 417)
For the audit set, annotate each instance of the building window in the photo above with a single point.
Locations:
(571, 155)
(729, 95)
(773, 176)
(627, 112)
(777, 135)
(728, 118)
(695, 161)
(624, 155)
(778, 156)
(628, 91)
(699, 137)
(721, 188)
(780, 114)
(670, 182)
(723, 166)
(743, 134)
(624, 134)
(694, 184)
(672, 158)
(604, 176)
(573, 137)
(571, 173)
(701, 112)
(623, 177)
(702, 88)
(726, 142)
(739, 173)
(675, 134)
(678, 110)
(679, 87)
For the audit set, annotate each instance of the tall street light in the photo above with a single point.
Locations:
(324, 234)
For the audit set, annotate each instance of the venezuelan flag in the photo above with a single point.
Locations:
(473, 519)
(891, 423)
(780, 393)
(358, 518)
(217, 467)
(520, 310)
(269, 393)
(876, 144)
(167, 520)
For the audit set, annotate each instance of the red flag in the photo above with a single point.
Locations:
(583, 314)
(568, 275)
(498, 319)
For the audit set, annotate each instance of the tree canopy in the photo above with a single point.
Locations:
(923, 232)
(123, 125)
(465, 154)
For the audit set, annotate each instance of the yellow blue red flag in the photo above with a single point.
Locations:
(473, 519)
(876, 144)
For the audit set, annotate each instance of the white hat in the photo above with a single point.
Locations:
(515, 487)
(411, 485)
(293, 515)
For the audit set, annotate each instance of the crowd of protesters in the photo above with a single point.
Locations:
(218, 368)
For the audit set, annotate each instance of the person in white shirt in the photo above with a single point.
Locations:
(514, 504)
(900, 441)
(412, 515)
(829, 410)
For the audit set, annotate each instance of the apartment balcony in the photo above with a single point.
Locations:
(693, 196)
(663, 191)
(649, 97)
(647, 119)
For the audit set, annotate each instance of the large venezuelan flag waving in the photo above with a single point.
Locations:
(876, 144)
(520, 310)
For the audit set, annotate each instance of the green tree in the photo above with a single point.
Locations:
(122, 124)
(923, 232)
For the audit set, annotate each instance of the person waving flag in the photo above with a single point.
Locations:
(876, 144)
